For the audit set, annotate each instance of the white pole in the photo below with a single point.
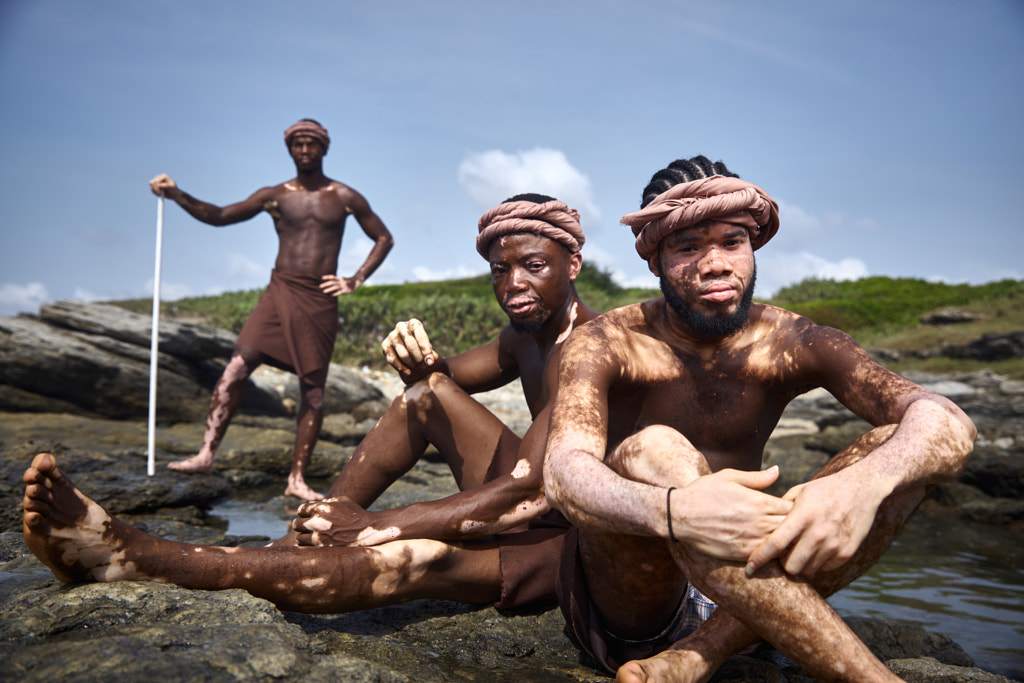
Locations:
(155, 337)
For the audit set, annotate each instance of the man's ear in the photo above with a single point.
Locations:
(652, 265)
(575, 264)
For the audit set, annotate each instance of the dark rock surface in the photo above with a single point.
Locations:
(138, 631)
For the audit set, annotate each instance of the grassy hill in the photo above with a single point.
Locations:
(879, 312)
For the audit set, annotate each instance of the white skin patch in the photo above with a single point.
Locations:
(407, 561)
(568, 328)
(371, 536)
(521, 470)
(289, 186)
(318, 582)
(317, 524)
(413, 393)
(522, 513)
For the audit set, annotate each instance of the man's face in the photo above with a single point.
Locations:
(532, 278)
(707, 275)
(306, 152)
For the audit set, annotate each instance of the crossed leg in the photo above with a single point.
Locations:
(79, 541)
(789, 612)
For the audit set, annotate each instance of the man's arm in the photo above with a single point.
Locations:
(721, 514)
(209, 213)
(375, 229)
(501, 504)
(931, 444)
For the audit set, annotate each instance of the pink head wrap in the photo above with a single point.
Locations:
(729, 200)
(552, 219)
(310, 128)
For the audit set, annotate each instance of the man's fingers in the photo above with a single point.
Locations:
(772, 547)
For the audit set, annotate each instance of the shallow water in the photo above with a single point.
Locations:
(959, 578)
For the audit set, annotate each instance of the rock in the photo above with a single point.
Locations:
(92, 359)
(949, 316)
(989, 347)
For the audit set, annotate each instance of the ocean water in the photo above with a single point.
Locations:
(955, 577)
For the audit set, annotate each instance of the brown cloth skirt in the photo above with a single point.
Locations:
(529, 560)
(295, 325)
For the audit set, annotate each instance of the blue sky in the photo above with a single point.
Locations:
(889, 132)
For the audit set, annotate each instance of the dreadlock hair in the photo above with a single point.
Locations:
(682, 171)
(530, 197)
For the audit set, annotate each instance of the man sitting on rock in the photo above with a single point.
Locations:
(501, 542)
(655, 448)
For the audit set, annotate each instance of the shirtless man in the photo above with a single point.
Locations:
(508, 546)
(655, 447)
(295, 323)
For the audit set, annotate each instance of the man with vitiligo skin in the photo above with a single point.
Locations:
(295, 322)
(656, 442)
(496, 541)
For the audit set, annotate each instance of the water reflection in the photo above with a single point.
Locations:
(954, 577)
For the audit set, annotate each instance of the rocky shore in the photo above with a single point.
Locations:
(132, 630)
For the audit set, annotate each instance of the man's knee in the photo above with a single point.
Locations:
(313, 397)
(859, 449)
(645, 455)
(423, 396)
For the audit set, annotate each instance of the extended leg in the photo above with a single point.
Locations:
(79, 541)
(433, 411)
(227, 394)
(307, 431)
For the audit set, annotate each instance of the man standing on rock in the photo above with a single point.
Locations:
(496, 541)
(655, 448)
(295, 323)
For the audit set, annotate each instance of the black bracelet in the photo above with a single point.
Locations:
(668, 513)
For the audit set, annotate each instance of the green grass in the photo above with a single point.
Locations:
(879, 312)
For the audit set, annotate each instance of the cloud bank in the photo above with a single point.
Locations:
(493, 176)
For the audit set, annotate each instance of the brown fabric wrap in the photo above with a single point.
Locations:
(553, 220)
(294, 324)
(729, 200)
(317, 132)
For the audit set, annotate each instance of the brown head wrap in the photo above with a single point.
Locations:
(310, 128)
(551, 219)
(729, 200)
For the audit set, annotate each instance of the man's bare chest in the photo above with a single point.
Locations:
(302, 208)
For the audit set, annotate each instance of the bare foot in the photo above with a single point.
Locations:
(297, 487)
(67, 531)
(675, 666)
(197, 464)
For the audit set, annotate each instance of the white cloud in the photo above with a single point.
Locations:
(778, 270)
(492, 177)
(15, 298)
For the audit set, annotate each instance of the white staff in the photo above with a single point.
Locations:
(154, 336)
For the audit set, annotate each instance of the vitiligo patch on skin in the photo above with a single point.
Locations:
(522, 469)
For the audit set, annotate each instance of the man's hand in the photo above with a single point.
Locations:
(407, 348)
(162, 185)
(337, 522)
(336, 286)
(831, 517)
(725, 514)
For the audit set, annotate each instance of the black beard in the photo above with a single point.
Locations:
(712, 326)
(527, 326)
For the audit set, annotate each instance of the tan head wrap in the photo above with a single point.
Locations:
(729, 200)
(310, 128)
(552, 219)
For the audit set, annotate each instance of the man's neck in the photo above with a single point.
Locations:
(312, 180)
